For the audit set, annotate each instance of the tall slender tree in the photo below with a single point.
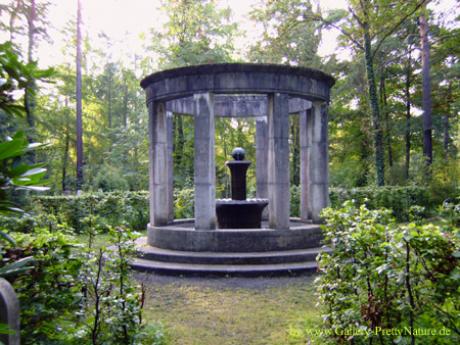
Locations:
(79, 120)
(372, 22)
(426, 87)
(29, 94)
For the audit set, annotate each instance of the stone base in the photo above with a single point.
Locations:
(181, 235)
(179, 249)
(171, 262)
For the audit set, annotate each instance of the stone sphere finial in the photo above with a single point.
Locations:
(238, 153)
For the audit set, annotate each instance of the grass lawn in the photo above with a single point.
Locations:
(228, 311)
(233, 311)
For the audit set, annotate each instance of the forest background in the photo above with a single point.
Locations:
(393, 115)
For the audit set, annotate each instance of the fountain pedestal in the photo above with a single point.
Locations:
(239, 212)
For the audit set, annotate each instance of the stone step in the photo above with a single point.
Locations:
(223, 270)
(227, 258)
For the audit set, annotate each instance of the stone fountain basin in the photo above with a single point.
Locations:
(181, 235)
(240, 214)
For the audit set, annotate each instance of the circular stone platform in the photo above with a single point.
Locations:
(181, 235)
(179, 249)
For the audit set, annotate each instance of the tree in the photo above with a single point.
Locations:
(79, 120)
(367, 25)
(288, 37)
(426, 90)
(196, 32)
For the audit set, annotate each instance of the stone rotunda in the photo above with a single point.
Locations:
(269, 94)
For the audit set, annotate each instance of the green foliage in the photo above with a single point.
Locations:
(15, 75)
(50, 294)
(381, 275)
(110, 209)
(109, 178)
(69, 284)
(289, 36)
(196, 32)
(112, 302)
(184, 203)
(295, 201)
(398, 199)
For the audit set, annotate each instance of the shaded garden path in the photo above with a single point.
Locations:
(236, 311)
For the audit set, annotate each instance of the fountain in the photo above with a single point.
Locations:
(227, 237)
(239, 212)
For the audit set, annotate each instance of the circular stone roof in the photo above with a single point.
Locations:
(238, 78)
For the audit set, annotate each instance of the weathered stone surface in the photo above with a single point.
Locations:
(278, 161)
(261, 141)
(305, 151)
(179, 236)
(235, 106)
(319, 170)
(205, 203)
(170, 171)
(9, 313)
(158, 164)
(238, 78)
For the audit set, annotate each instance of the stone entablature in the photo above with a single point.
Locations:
(238, 78)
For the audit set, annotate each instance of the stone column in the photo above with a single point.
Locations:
(319, 170)
(170, 144)
(205, 171)
(305, 151)
(261, 157)
(278, 161)
(9, 313)
(158, 164)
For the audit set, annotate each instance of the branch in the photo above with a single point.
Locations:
(393, 29)
(343, 31)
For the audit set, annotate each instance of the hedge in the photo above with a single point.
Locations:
(131, 208)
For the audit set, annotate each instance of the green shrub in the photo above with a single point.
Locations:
(112, 209)
(398, 199)
(381, 275)
(50, 294)
(131, 208)
(184, 203)
(78, 295)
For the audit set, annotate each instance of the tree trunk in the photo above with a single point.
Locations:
(79, 122)
(407, 130)
(378, 137)
(65, 155)
(384, 104)
(13, 17)
(29, 94)
(445, 121)
(109, 98)
(426, 89)
(125, 106)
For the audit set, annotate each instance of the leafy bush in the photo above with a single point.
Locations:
(112, 209)
(184, 203)
(398, 199)
(51, 293)
(131, 208)
(385, 276)
(110, 178)
(78, 295)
